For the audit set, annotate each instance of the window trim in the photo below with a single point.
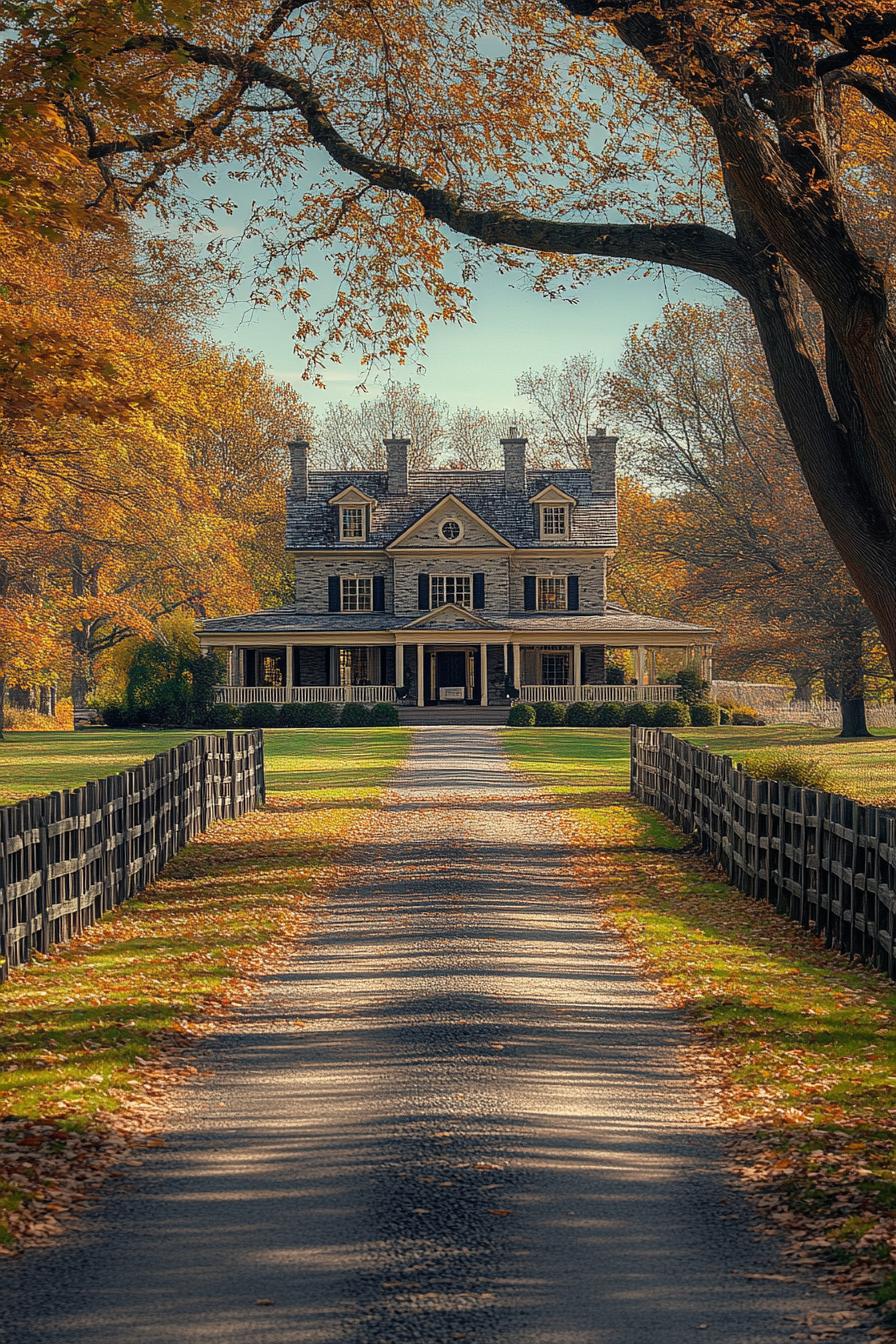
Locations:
(357, 579)
(455, 578)
(352, 508)
(552, 578)
(562, 510)
(452, 541)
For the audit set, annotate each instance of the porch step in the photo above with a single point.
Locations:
(461, 716)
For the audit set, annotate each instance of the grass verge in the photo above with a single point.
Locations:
(799, 1045)
(88, 1031)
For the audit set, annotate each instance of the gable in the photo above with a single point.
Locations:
(472, 530)
(552, 494)
(351, 495)
(450, 617)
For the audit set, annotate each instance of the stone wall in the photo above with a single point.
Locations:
(495, 569)
(313, 572)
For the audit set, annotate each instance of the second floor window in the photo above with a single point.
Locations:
(457, 588)
(554, 519)
(352, 524)
(357, 594)
(552, 594)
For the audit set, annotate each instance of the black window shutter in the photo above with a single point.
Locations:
(572, 592)
(333, 586)
(379, 592)
(529, 592)
(478, 591)
(423, 592)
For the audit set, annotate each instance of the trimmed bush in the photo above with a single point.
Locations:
(383, 715)
(724, 714)
(260, 715)
(521, 715)
(115, 716)
(354, 715)
(706, 714)
(319, 715)
(583, 714)
(745, 715)
(610, 715)
(550, 714)
(223, 716)
(292, 715)
(673, 714)
(691, 685)
(640, 714)
(790, 766)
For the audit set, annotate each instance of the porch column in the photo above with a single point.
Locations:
(483, 674)
(420, 686)
(706, 663)
(399, 665)
(289, 658)
(651, 666)
(504, 652)
(640, 664)
(576, 664)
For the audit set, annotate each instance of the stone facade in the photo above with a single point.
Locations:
(591, 570)
(313, 574)
(407, 570)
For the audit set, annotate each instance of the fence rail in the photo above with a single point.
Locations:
(66, 858)
(823, 860)
(655, 693)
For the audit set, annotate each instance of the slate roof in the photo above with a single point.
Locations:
(290, 620)
(312, 523)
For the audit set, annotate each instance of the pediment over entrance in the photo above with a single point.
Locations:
(450, 617)
(449, 525)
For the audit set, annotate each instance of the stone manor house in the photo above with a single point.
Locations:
(449, 587)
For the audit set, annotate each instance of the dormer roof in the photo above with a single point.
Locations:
(351, 495)
(552, 494)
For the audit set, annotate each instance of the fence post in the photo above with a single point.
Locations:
(261, 788)
(633, 760)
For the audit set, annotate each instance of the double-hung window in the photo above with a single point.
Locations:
(554, 520)
(456, 588)
(352, 523)
(552, 593)
(555, 668)
(357, 594)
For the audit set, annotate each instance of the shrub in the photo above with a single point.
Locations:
(641, 714)
(706, 714)
(354, 715)
(672, 714)
(790, 766)
(610, 715)
(115, 716)
(521, 715)
(260, 715)
(550, 714)
(744, 714)
(724, 714)
(320, 715)
(383, 715)
(292, 715)
(583, 714)
(169, 681)
(692, 687)
(223, 716)
(614, 673)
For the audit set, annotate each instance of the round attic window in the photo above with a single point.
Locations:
(451, 530)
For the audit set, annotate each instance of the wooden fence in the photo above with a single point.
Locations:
(825, 861)
(66, 858)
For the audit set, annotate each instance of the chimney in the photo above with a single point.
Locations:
(397, 465)
(298, 466)
(602, 451)
(514, 462)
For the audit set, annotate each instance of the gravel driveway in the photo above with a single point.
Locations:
(458, 1115)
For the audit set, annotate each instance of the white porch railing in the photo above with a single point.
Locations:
(303, 695)
(655, 694)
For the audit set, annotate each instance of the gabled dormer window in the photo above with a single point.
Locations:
(554, 513)
(353, 522)
(353, 509)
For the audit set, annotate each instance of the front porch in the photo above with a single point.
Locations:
(442, 669)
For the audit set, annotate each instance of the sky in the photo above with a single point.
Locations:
(515, 329)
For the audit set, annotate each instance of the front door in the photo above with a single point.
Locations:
(451, 677)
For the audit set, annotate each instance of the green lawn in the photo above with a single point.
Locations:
(82, 1028)
(801, 1044)
(295, 757)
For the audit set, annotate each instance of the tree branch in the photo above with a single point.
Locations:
(694, 247)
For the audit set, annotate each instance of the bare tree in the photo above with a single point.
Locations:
(568, 402)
